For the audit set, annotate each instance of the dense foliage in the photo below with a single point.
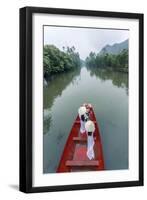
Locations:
(56, 61)
(118, 62)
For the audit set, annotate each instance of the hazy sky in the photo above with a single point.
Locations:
(85, 40)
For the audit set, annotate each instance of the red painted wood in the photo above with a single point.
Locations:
(80, 153)
(82, 163)
(80, 139)
(75, 151)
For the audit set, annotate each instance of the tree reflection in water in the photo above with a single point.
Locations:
(106, 90)
(119, 79)
(51, 91)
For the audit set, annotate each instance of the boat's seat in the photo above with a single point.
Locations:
(82, 163)
(79, 139)
(78, 122)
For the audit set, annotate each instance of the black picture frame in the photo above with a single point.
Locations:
(26, 92)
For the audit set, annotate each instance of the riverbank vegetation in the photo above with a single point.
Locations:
(56, 61)
(118, 62)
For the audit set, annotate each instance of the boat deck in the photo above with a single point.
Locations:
(74, 157)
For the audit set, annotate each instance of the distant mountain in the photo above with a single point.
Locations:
(115, 48)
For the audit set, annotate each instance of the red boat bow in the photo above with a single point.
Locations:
(74, 156)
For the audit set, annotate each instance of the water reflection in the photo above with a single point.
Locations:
(47, 120)
(118, 79)
(54, 88)
(106, 91)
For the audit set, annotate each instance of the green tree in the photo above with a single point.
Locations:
(118, 62)
(57, 61)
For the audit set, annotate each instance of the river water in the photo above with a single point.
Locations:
(107, 91)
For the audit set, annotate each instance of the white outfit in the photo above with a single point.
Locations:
(82, 127)
(90, 146)
(82, 111)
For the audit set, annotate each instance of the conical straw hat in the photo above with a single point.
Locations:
(82, 110)
(89, 126)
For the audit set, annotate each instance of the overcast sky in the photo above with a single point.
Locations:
(85, 40)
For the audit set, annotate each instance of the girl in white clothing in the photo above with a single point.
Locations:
(90, 128)
(83, 118)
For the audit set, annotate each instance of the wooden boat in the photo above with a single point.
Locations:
(74, 157)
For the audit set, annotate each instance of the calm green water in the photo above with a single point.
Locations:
(107, 91)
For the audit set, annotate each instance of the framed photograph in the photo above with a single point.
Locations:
(81, 99)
